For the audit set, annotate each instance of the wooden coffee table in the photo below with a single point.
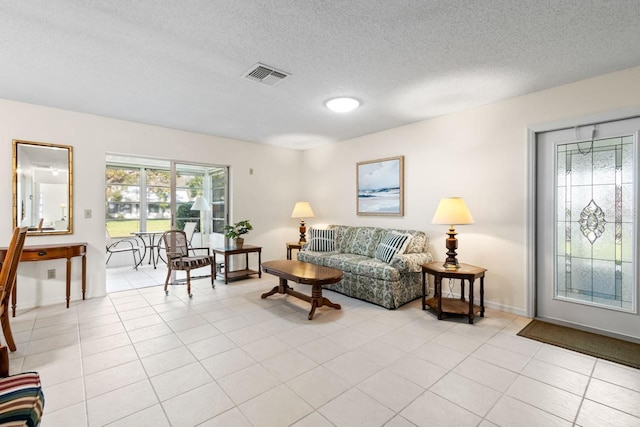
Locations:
(305, 273)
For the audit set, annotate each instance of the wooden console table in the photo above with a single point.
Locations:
(242, 273)
(49, 252)
(453, 305)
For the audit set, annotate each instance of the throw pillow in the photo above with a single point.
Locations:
(391, 245)
(321, 240)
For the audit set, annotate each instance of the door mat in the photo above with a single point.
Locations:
(612, 349)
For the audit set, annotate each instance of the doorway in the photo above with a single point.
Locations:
(586, 235)
(145, 197)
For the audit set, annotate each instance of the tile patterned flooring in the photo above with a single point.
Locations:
(228, 358)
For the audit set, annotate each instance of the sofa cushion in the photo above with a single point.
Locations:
(314, 257)
(364, 241)
(321, 240)
(391, 244)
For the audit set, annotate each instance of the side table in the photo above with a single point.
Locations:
(293, 245)
(453, 305)
(241, 273)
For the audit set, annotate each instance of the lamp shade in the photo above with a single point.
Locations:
(302, 210)
(200, 204)
(452, 211)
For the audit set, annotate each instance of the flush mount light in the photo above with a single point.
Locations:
(342, 105)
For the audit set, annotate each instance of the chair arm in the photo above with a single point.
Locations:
(410, 262)
(201, 249)
(128, 241)
(174, 255)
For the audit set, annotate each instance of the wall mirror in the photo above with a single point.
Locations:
(42, 187)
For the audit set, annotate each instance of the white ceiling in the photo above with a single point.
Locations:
(179, 64)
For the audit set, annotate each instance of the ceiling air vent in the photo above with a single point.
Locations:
(265, 74)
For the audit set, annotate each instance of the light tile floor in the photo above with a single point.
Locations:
(229, 358)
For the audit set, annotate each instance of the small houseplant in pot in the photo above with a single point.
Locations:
(235, 231)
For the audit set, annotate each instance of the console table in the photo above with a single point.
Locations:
(49, 252)
(453, 305)
(241, 273)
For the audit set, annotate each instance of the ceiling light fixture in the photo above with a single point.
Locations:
(342, 104)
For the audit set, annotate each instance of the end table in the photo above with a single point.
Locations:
(453, 305)
(293, 245)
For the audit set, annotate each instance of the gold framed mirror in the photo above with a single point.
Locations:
(43, 187)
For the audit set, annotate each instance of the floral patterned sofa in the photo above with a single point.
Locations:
(356, 252)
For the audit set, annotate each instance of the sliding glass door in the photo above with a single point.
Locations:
(148, 195)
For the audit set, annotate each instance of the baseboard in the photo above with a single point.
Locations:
(22, 304)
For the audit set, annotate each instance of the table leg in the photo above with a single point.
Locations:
(317, 300)
(68, 281)
(260, 264)
(438, 288)
(280, 289)
(152, 241)
(288, 252)
(471, 310)
(482, 296)
(461, 290)
(84, 275)
(226, 269)
(424, 295)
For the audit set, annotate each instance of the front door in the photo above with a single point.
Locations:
(586, 227)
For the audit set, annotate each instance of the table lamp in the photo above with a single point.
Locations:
(452, 211)
(201, 204)
(302, 210)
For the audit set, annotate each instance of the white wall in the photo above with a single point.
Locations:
(266, 197)
(480, 155)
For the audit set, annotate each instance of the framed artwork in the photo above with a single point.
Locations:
(380, 187)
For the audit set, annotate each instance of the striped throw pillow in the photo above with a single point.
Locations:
(391, 244)
(321, 240)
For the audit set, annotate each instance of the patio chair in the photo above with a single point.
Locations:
(127, 244)
(8, 275)
(181, 257)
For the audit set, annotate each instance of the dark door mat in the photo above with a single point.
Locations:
(612, 349)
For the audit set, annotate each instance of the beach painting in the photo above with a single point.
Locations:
(380, 187)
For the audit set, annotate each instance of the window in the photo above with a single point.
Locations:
(127, 178)
(123, 200)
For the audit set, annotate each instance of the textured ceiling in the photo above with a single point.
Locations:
(179, 64)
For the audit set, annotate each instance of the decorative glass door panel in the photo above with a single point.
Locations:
(594, 217)
(586, 228)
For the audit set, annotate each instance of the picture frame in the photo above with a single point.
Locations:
(380, 187)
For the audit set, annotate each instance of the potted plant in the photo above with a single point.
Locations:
(234, 231)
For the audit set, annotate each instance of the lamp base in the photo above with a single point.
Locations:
(451, 263)
(451, 266)
(303, 230)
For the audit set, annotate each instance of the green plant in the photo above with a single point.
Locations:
(233, 231)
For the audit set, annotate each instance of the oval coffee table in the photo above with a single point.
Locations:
(305, 273)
